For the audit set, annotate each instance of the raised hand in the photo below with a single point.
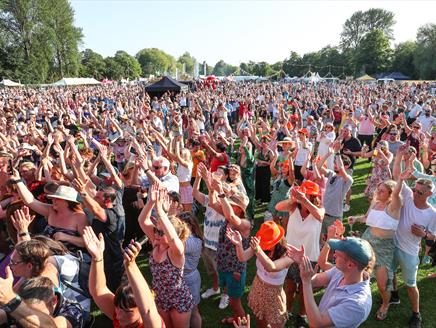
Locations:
(243, 322)
(6, 287)
(294, 253)
(131, 252)
(254, 244)
(94, 245)
(22, 219)
(306, 270)
(234, 236)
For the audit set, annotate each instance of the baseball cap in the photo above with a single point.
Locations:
(356, 248)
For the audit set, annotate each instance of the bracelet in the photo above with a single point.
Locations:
(94, 260)
(15, 181)
(23, 234)
(12, 305)
(223, 195)
(145, 171)
(256, 250)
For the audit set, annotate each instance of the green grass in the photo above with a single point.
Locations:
(398, 314)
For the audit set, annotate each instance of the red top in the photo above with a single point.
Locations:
(215, 162)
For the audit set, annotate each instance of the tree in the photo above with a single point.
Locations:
(93, 64)
(425, 59)
(293, 65)
(65, 38)
(402, 59)
(155, 61)
(361, 23)
(39, 39)
(114, 70)
(223, 69)
(129, 65)
(189, 61)
(374, 53)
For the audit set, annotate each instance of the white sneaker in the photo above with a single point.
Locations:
(346, 207)
(224, 301)
(210, 292)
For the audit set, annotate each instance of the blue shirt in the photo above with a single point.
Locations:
(349, 305)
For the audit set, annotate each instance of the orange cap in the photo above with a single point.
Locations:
(304, 131)
(310, 188)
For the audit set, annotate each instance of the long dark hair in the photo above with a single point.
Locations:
(278, 251)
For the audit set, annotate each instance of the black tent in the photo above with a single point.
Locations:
(164, 85)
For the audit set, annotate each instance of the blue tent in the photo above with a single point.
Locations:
(393, 75)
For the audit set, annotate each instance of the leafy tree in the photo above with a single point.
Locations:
(155, 61)
(93, 64)
(114, 70)
(374, 53)
(293, 65)
(39, 39)
(189, 61)
(361, 23)
(129, 65)
(402, 59)
(425, 59)
(223, 69)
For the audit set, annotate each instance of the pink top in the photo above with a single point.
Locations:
(366, 127)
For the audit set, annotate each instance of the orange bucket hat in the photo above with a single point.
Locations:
(270, 233)
(310, 188)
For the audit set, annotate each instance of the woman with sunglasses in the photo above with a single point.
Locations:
(167, 259)
(414, 134)
(382, 221)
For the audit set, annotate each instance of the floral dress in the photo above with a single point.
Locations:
(171, 290)
(380, 172)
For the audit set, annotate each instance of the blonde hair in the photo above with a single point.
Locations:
(182, 229)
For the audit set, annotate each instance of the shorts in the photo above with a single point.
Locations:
(327, 222)
(186, 194)
(409, 266)
(294, 272)
(209, 258)
(235, 288)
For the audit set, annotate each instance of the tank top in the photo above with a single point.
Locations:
(184, 173)
(272, 278)
(304, 232)
(381, 219)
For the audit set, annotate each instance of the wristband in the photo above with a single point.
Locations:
(223, 195)
(23, 234)
(145, 171)
(94, 260)
(15, 181)
(12, 305)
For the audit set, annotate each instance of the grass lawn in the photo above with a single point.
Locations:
(398, 315)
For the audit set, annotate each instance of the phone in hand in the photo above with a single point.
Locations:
(141, 241)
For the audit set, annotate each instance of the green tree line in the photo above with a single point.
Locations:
(39, 43)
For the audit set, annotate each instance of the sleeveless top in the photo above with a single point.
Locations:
(171, 290)
(184, 173)
(272, 278)
(304, 232)
(381, 219)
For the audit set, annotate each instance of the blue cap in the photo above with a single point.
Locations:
(356, 248)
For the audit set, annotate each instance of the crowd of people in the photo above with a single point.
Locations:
(92, 177)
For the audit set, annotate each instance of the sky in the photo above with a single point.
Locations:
(232, 30)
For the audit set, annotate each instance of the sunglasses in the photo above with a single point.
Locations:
(419, 192)
(13, 263)
(158, 232)
(416, 127)
(157, 167)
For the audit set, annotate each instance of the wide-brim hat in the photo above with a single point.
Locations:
(304, 131)
(239, 199)
(270, 233)
(288, 141)
(310, 188)
(65, 193)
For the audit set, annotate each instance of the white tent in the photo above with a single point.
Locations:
(76, 81)
(9, 83)
(311, 77)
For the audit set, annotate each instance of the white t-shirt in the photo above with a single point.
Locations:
(410, 214)
(427, 122)
(303, 153)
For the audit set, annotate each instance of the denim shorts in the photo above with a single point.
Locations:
(408, 264)
(235, 288)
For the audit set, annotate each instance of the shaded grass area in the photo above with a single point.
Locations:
(398, 315)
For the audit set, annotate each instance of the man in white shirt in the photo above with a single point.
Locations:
(427, 121)
(417, 221)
